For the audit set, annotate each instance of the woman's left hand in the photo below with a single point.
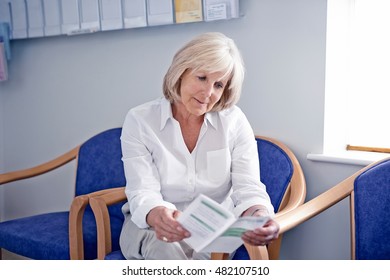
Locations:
(262, 236)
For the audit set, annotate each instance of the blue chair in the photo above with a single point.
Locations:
(68, 234)
(369, 192)
(280, 171)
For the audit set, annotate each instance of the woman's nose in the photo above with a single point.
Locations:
(208, 90)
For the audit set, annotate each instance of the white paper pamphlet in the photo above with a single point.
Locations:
(214, 228)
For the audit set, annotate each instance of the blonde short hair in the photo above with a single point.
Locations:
(209, 52)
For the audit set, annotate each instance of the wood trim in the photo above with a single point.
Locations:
(294, 196)
(352, 224)
(219, 256)
(257, 252)
(76, 213)
(368, 149)
(39, 169)
(315, 206)
(296, 193)
(99, 202)
(102, 216)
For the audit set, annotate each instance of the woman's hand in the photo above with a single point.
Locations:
(164, 223)
(264, 235)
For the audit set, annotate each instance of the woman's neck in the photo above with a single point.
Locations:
(184, 117)
(190, 125)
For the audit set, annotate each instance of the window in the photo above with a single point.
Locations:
(357, 75)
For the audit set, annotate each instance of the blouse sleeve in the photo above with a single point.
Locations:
(143, 189)
(248, 190)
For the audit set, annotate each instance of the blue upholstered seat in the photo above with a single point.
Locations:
(46, 236)
(276, 170)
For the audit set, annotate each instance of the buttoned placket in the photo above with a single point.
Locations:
(191, 165)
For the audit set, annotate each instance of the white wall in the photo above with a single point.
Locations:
(64, 89)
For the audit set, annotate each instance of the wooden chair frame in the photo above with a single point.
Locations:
(324, 201)
(77, 207)
(294, 196)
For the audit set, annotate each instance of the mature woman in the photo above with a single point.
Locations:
(194, 141)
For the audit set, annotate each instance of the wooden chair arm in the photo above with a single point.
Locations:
(76, 213)
(99, 202)
(39, 169)
(315, 206)
(320, 203)
(290, 219)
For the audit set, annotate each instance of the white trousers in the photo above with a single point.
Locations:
(142, 244)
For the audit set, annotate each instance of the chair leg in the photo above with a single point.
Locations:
(257, 252)
(76, 213)
(219, 256)
(274, 248)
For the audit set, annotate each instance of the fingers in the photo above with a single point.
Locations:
(262, 236)
(170, 231)
(163, 221)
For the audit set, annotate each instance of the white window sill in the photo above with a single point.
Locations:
(349, 157)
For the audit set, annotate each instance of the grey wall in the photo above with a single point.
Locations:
(64, 89)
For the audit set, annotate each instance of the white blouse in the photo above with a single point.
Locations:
(160, 171)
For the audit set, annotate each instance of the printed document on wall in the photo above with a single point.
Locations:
(159, 12)
(52, 16)
(35, 18)
(90, 18)
(111, 14)
(188, 11)
(70, 16)
(19, 19)
(220, 9)
(5, 13)
(134, 13)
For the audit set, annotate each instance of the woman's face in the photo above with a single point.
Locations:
(200, 91)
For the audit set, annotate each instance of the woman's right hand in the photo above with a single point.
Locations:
(164, 223)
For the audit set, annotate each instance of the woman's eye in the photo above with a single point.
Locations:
(202, 78)
(219, 85)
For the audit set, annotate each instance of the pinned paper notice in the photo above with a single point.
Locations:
(35, 18)
(220, 9)
(70, 16)
(216, 12)
(134, 13)
(90, 18)
(52, 16)
(111, 14)
(19, 19)
(159, 12)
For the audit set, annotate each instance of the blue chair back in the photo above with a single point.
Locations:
(276, 170)
(100, 166)
(372, 213)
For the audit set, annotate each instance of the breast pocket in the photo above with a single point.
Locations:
(218, 165)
